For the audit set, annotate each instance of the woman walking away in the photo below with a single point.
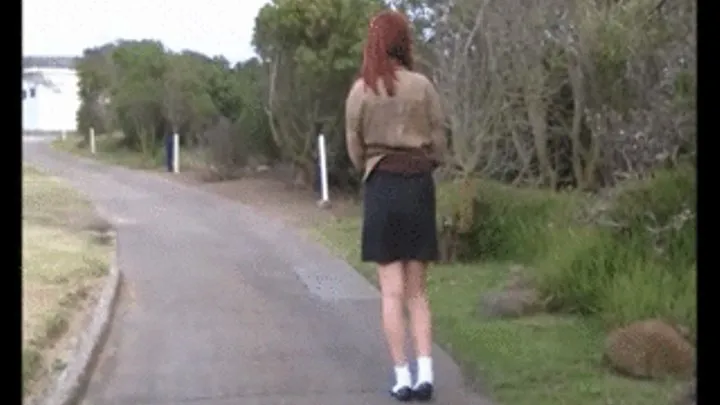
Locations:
(395, 135)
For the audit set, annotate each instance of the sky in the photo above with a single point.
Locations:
(212, 27)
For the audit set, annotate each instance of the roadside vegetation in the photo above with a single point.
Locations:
(65, 256)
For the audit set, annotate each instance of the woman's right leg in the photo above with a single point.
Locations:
(392, 287)
(420, 322)
(418, 307)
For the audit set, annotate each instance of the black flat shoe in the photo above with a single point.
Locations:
(423, 392)
(403, 394)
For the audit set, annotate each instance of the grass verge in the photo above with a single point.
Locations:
(541, 360)
(110, 149)
(64, 263)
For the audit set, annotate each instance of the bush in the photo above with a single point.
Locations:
(662, 212)
(228, 150)
(500, 222)
(641, 266)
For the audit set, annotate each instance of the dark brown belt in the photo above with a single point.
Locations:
(406, 162)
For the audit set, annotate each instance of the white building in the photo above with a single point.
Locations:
(50, 99)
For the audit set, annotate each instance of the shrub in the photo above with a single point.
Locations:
(642, 267)
(513, 224)
(457, 210)
(662, 212)
(647, 291)
(500, 222)
(227, 148)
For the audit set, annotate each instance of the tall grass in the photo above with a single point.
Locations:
(640, 267)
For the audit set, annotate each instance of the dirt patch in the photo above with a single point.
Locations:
(273, 194)
(62, 270)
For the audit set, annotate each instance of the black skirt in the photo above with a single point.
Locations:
(399, 218)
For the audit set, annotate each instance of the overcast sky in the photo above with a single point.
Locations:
(213, 27)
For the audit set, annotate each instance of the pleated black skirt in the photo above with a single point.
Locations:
(399, 218)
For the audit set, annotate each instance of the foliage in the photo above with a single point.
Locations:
(148, 92)
(501, 222)
(627, 256)
(136, 96)
(311, 50)
(561, 94)
(593, 96)
(228, 149)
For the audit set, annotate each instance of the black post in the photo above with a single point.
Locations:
(169, 152)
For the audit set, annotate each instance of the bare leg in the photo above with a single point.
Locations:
(418, 307)
(421, 326)
(392, 286)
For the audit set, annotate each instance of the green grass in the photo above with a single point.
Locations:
(110, 149)
(541, 360)
(617, 274)
(62, 264)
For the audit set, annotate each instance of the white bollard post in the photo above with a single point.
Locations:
(62, 135)
(176, 153)
(92, 140)
(324, 192)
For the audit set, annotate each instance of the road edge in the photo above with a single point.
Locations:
(70, 385)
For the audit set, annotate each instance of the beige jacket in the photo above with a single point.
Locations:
(378, 124)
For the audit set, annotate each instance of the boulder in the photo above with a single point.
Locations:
(650, 349)
(519, 278)
(511, 303)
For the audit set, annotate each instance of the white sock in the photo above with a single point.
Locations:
(424, 370)
(402, 377)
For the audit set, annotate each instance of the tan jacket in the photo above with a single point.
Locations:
(378, 124)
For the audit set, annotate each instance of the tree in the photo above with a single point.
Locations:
(561, 94)
(187, 104)
(312, 51)
(95, 79)
(138, 92)
(556, 94)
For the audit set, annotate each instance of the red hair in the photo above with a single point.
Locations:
(389, 44)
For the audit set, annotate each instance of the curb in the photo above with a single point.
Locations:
(73, 380)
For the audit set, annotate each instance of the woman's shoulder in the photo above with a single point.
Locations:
(357, 87)
(416, 78)
(414, 74)
(356, 95)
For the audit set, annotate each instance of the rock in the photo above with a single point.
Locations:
(519, 278)
(511, 303)
(650, 349)
(517, 298)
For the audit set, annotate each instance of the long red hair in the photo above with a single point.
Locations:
(389, 44)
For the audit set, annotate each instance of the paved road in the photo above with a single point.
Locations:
(222, 306)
